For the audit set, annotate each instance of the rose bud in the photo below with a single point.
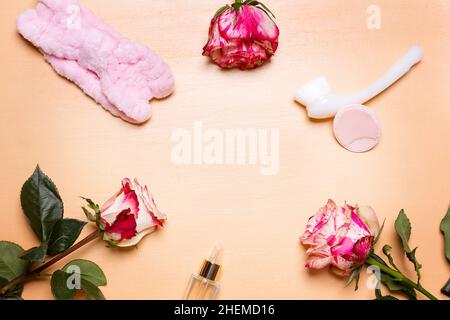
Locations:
(242, 35)
(128, 216)
(340, 237)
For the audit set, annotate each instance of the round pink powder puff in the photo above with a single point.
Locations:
(357, 128)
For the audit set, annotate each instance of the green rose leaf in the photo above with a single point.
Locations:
(11, 266)
(41, 204)
(64, 235)
(89, 215)
(89, 271)
(36, 254)
(59, 285)
(395, 285)
(354, 276)
(412, 257)
(91, 277)
(91, 290)
(379, 296)
(387, 252)
(12, 294)
(221, 10)
(403, 228)
(11, 297)
(446, 289)
(445, 228)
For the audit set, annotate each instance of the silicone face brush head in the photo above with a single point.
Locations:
(312, 91)
(357, 128)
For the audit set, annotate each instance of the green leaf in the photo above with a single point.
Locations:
(89, 271)
(97, 218)
(354, 277)
(60, 288)
(91, 277)
(221, 10)
(403, 228)
(11, 298)
(445, 229)
(91, 290)
(379, 296)
(36, 254)
(41, 204)
(417, 266)
(14, 293)
(64, 235)
(446, 289)
(387, 252)
(11, 266)
(264, 8)
(92, 205)
(375, 241)
(378, 259)
(89, 215)
(398, 286)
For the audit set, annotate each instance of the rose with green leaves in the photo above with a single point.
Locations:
(344, 239)
(123, 221)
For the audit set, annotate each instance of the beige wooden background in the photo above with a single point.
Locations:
(45, 119)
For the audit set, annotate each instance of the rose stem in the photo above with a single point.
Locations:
(399, 276)
(36, 272)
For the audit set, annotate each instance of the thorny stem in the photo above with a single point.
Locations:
(35, 273)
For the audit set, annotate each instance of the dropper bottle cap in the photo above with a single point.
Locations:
(210, 266)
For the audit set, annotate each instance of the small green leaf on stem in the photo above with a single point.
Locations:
(92, 205)
(14, 293)
(263, 7)
(445, 229)
(379, 296)
(417, 266)
(446, 289)
(354, 277)
(375, 241)
(387, 252)
(89, 215)
(36, 254)
(403, 228)
(221, 10)
(398, 285)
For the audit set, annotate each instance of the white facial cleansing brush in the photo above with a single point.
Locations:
(322, 103)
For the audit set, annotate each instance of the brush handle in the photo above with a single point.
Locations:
(397, 71)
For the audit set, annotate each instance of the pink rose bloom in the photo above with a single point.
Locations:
(130, 215)
(340, 237)
(242, 35)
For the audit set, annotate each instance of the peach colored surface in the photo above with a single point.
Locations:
(45, 119)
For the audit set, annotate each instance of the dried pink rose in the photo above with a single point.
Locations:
(340, 237)
(130, 215)
(242, 35)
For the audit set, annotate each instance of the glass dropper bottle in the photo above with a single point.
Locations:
(203, 285)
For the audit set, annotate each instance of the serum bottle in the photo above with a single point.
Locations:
(203, 285)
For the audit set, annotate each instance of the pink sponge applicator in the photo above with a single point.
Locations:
(357, 128)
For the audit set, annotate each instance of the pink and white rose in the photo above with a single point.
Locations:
(340, 237)
(242, 36)
(130, 215)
